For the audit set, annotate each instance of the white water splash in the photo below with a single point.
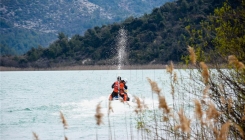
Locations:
(121, 46)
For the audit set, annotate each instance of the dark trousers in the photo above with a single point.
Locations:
(113, 94)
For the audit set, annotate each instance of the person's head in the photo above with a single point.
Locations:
(125, 80)
(118, 78)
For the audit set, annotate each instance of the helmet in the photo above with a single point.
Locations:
(118, 78)
(125, 79)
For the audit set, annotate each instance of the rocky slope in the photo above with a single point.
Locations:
(68, 16)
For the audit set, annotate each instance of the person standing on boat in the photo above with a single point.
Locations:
(116, 87)
(122, 90)
(120, 87)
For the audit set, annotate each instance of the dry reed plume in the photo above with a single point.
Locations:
(175, 77)
(240, 130)
(221, 88)
(224, 131)
(140, 105)
(205, 73)
(205, 91)
(232, 59)
(184, 122)
(163, 104)
(192, 55)
(98, 115)
(212, 112)
(172, 89)
(64, 122)
(222, 100)
(215, 132)
(154, 86)
(230, 103)
(35, 136)
(198, 110)
(240, 66)
(235, 62)
(170, 68)
(65, 125)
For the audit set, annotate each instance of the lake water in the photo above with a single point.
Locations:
(32, 100)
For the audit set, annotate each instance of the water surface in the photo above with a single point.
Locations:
(31, 101)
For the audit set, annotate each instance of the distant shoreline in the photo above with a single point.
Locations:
(91, 67)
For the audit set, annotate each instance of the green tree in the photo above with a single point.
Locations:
(222, 35)
(184, 5)
(6, 50)
(34, 54)
(229, 28)
(61, 36)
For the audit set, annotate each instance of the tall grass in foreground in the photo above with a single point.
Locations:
(210, 104)
(206, 104)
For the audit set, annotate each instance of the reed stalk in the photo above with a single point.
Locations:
(64, 122)
(98, 116)
(35, 136)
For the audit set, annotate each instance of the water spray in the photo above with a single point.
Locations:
(121, 46)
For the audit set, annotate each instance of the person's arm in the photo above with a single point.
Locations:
(125, 86)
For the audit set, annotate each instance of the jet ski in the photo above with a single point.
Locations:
(118, 97)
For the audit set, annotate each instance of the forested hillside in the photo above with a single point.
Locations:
(158, 37)
(30, 23)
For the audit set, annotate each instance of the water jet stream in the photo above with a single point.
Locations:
(121, 46)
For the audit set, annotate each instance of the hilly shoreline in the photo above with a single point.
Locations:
(94, 67)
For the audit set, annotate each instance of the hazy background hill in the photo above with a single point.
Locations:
(154, 38)
(29, 23)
